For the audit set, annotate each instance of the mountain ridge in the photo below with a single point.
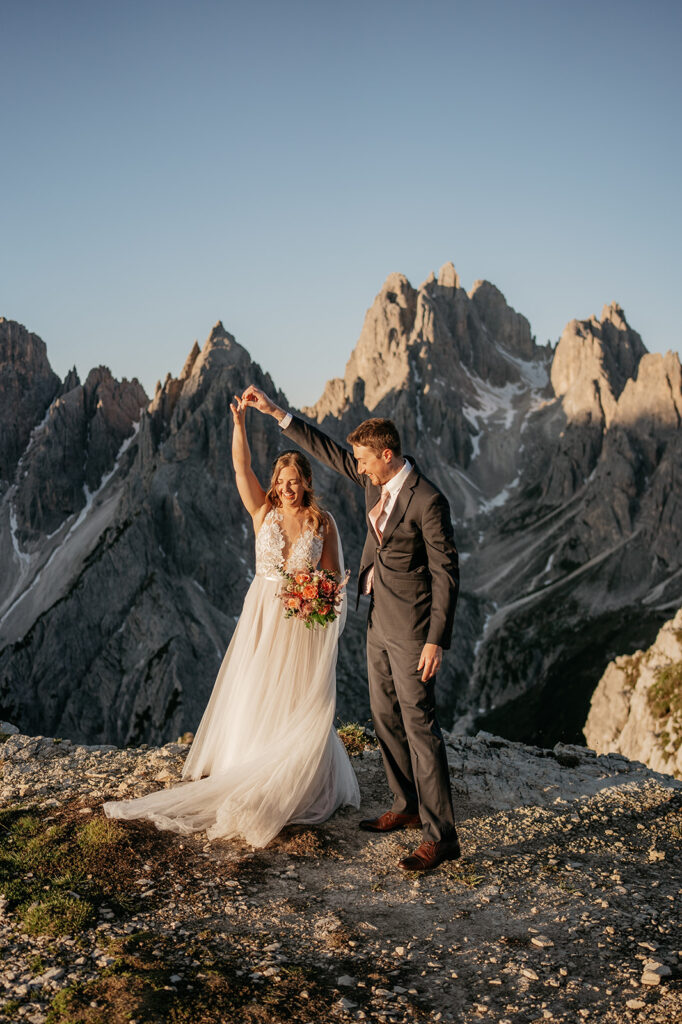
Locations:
(559, 464)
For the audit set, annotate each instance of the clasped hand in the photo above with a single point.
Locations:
(238, 408)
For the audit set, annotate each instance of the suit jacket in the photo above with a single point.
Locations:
(416, 574)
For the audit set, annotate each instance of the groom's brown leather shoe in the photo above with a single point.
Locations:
(429, 855)
(390, 822)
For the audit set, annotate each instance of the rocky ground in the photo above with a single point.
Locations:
(565, 906)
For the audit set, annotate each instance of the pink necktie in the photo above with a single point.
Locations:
(375, 515)
(378, 511)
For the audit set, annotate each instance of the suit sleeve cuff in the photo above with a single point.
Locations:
(285, 421)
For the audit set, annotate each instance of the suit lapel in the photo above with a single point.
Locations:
(373, 494)
(402, 501)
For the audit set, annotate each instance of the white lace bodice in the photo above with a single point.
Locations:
(270, 542)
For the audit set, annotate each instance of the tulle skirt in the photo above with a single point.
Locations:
(265, 753)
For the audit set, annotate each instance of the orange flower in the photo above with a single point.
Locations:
(310, 591)
(326, 609)
(326, 586)
(302, 577)
(293, 602)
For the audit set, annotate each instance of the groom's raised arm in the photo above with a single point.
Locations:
(323, 448)
(313, 440)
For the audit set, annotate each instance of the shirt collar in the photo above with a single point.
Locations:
(397, 481)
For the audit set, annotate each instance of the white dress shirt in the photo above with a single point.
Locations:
(394, 487)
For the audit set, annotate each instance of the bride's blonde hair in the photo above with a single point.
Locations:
(299, 462)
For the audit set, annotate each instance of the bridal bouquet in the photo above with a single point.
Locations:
(312, 595)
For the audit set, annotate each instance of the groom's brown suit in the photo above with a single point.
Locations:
(414, 592)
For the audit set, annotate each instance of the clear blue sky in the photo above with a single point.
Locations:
(167, 164)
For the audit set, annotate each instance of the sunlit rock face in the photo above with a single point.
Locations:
(593, 362)
(126, 552)
(636, 709)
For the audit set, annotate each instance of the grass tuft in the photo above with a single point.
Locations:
(55, 874)
(664, 696)
(58, 913)
(355, 738)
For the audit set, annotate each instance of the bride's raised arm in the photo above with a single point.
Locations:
(250, 490)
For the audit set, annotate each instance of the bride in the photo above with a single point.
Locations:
(266, 753)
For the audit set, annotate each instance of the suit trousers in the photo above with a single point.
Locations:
(411, 742)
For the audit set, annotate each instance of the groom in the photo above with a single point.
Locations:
(409, 570)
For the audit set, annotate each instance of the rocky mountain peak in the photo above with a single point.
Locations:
(380, 356)
(220, 349)
(592, 364)
(653, 400)
(448, 276)
(112, 404)
(27, 386)
(72, 380)
(614, 313)
(430, 339)
(218, 332)
(379, 362)
(73, 448)
(505, 325)
(189, 362)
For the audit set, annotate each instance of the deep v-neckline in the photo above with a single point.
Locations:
(288, 545)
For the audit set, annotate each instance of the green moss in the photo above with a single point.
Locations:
(37, 965)
(664, 696)
(97, 835)
(54, 874)
(58, 914)
(631, 667)
(138, 987)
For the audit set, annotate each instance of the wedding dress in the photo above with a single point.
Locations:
(266, 753)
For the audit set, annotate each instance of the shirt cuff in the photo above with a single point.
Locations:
(285, 421)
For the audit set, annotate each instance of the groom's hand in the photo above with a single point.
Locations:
(430, 661)
(259, 400)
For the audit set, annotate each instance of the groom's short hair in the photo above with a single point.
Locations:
(376, 434)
